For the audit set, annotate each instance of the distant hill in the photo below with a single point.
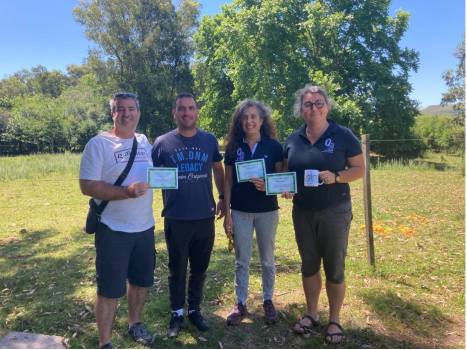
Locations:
(438, 110)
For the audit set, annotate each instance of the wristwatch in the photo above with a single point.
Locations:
(336, 178)
(221, 196)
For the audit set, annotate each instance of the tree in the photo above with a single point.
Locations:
(37, 81)
(36, 125)
(456, 85)
(268, 49)
(146, 48)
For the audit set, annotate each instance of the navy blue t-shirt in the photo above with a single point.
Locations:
(193, 156)
(245, 197)
(330, 152)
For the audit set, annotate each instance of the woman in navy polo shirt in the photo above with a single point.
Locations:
(251, 136)
(322, 210)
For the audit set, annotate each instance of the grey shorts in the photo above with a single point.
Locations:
(323, 235)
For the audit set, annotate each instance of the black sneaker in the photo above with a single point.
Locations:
(175, 325)
(140, 334)
(198, 320)
(106, 346)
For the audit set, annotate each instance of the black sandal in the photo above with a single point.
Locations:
(329, 336)
(306, 329)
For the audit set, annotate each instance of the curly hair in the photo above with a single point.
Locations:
(236, 134)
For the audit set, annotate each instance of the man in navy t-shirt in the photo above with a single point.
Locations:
(189, 211)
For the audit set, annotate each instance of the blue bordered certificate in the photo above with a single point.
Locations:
(249, 169)
(164, 178)
(281, 182)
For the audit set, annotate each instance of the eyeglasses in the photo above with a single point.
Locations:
(318, 104)
(125, 95)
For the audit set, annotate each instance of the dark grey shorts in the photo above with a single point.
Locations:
(121, 256)
(323, 235)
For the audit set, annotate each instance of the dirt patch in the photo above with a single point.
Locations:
(8, 240)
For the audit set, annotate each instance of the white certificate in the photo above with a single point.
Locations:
(249, 169)
(281, 182)
(164, 178)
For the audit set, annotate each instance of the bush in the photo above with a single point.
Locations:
(440, 133)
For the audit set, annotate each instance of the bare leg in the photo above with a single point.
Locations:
(105, 316)
(312, 288)
(336, 293)
(136, 298)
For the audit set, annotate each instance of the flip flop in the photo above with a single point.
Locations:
(306, 329)
(329, 336)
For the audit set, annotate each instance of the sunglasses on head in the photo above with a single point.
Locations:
(125, 95)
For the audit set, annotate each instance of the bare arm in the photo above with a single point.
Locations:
(108, 192)
(218, 171)
(355, 170)
(228, 224)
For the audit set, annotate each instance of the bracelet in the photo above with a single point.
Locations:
(221, 196)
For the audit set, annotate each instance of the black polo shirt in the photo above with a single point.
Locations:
(330, 152)
(245, 197)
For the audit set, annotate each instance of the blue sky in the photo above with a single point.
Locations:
(44, 32)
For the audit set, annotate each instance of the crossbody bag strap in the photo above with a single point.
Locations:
(122, 176)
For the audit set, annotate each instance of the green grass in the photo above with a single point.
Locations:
(414, 298)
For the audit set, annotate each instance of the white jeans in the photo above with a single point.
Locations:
(265, 225)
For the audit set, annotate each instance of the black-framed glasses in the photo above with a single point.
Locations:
(125, 95)
(319, 104)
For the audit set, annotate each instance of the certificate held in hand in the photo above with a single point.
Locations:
(249, 169)
(163, 178)
(281, 182)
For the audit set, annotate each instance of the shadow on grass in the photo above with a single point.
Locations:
(49, 286)
(422, 322)
(40, 282)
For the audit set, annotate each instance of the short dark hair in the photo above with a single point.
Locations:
(185, 95)
(122, 96)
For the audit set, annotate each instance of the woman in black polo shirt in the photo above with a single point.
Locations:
(322, 210)
(251, 136)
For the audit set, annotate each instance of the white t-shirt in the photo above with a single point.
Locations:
(104, 158)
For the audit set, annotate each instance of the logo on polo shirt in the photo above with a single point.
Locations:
(240, 155)
(329, 146)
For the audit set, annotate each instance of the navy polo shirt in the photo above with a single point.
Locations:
(330, 152)
(244, 196)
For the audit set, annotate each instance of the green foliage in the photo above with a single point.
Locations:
(37, 81)
(36, 125)
(43, 123)
(147, 48)
(456, 85)
(440, 133)
(269, 49)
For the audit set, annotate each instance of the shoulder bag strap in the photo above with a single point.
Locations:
(122, 176)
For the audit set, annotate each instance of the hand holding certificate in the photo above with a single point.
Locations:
(249, 169)
(164, 178)
(281, 182)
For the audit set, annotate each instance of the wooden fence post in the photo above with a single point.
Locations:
(367, 201)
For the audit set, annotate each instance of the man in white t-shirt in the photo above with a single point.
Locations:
(124, 238)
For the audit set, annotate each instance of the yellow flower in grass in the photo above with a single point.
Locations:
(379, 229)
(407, 231)
(418, 218)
